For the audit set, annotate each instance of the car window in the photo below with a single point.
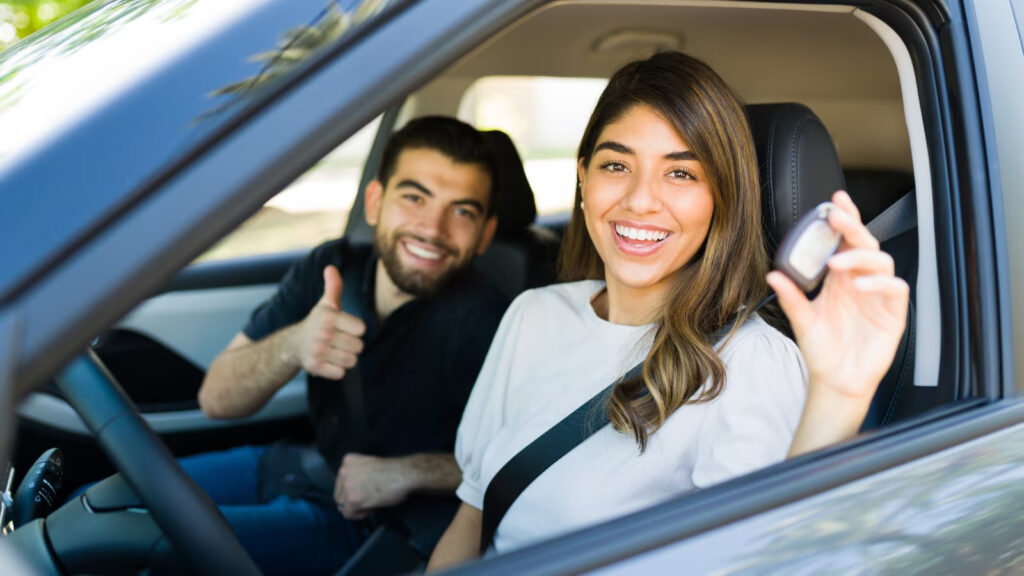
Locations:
(311, 210)
(545, 117)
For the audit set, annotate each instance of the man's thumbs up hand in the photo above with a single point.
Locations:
(328, 341)
(332, 287)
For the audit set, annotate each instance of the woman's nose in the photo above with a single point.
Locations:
(642, 196)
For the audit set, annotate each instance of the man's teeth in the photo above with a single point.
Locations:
(422, 252)
(638, 234)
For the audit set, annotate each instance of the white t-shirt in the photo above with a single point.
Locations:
(552, 353)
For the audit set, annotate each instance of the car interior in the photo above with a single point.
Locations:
(832, 101)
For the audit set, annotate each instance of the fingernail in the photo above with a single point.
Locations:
(865, 283)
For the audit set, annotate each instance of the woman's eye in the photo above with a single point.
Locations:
(614, 167)
(682, 175)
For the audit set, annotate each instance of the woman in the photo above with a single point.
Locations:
(664, 251)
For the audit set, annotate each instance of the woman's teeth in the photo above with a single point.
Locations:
(638, 234)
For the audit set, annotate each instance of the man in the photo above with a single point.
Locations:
(427, 324)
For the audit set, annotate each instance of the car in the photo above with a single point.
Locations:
(136, 134)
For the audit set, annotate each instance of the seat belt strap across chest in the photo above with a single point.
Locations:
(353, 268)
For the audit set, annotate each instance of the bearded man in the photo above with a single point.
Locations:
(427, 319)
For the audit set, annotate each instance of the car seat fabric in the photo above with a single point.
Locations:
(799, 169)
(522, 254)
(798, 163)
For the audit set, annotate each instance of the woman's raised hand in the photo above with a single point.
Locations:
(849, 334)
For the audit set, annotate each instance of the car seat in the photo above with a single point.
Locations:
(523, 254)
(799, 169)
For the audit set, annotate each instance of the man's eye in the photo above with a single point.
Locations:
(466, 213)
(414, 198)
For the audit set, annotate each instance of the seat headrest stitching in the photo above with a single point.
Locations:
(794, 163)
(771, 179)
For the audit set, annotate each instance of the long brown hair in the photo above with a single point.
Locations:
(725, 278)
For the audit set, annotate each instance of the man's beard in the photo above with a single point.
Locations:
(415, 282)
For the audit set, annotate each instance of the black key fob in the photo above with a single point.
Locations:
(805, 250)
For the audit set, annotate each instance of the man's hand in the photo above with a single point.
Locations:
(328, 341)
(365, 483)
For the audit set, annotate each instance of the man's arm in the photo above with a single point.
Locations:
(246, 374)
(365, 483)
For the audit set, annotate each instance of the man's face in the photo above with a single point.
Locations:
(430, 219)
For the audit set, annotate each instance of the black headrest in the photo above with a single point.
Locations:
(799, 164)
(516, 206)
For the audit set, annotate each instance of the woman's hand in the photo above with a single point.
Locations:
(849, 334)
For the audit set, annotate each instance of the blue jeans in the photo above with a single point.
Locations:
(283, 536)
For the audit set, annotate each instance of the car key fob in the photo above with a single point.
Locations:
(805, 250)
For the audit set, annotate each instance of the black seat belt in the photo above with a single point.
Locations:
(539, 455)
(571, 431)
(352, 275)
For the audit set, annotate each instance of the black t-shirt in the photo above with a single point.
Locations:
(417, 367)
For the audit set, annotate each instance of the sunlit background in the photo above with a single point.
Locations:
(19, 18)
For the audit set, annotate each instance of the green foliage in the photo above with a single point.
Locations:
(19, 18)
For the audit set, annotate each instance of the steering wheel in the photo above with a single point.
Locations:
(202, 536)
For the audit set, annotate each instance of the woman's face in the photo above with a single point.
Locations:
(647, 202)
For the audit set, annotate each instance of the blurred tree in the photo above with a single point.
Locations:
(19, 18)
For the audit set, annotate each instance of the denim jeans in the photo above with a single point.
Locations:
(284, 535)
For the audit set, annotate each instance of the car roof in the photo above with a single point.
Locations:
(96, 111)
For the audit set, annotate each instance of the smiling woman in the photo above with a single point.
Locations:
(666, 262)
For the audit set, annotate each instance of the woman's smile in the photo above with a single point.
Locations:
(638, 239)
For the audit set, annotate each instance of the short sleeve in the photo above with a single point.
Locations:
(752, 422)
(296, 295)
(484, 414)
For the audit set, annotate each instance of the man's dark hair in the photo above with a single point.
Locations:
(453, 138)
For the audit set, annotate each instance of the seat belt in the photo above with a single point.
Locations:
(898, 218)
(571, 431)
(352, 270)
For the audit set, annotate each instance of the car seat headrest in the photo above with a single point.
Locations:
(798, 163)
(516, 206)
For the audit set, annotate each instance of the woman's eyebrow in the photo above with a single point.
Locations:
(614, 147)
(680, 156)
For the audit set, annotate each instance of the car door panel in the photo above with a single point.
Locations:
(160, 352)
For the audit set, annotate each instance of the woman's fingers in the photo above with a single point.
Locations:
(895, 290)
(855, 234)
(792, 299)
(862, 261)
(843, 201)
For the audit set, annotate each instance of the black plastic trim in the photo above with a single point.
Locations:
(357, 215)
(247, 271)
(1004, 387)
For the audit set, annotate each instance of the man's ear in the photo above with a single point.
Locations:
(485, 239)
(372, 200)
